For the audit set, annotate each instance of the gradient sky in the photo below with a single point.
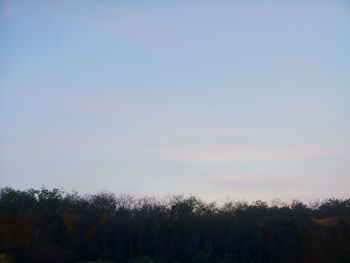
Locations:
(247, 99)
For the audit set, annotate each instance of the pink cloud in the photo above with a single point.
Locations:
(243, 153)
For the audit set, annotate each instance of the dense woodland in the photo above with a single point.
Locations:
(55, 226)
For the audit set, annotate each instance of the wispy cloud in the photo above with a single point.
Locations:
(242, 153)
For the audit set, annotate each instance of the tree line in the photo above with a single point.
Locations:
(43, 225)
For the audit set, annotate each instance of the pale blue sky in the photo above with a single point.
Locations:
(247, 99)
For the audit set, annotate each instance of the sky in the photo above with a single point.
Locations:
(218, 99)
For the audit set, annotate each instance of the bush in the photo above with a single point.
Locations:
(201, 257)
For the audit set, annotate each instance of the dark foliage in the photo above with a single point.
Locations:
(54, 226)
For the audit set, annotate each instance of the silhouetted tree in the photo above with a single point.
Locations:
(54, 226)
